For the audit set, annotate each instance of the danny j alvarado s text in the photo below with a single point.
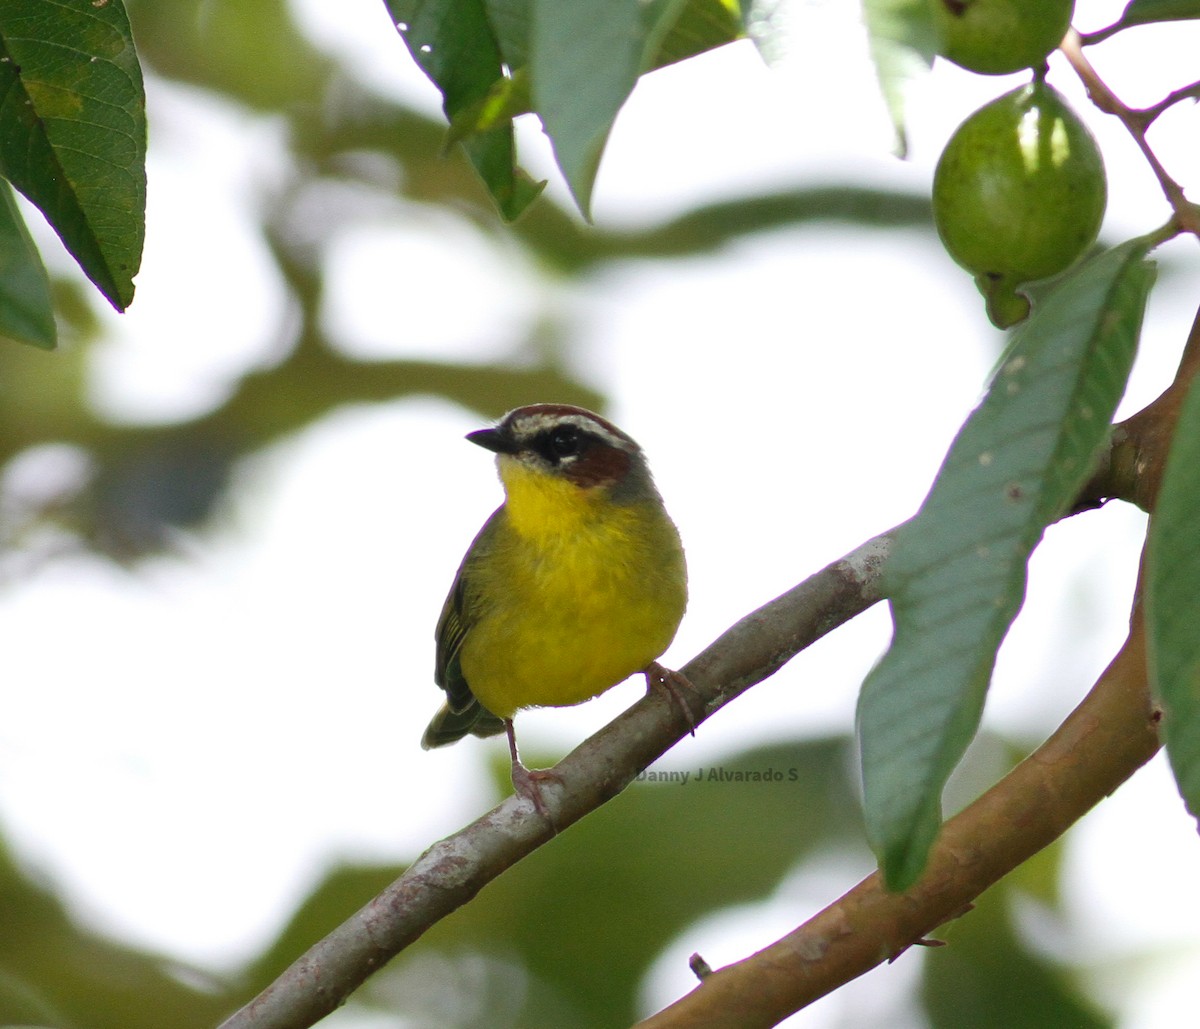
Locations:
(718, 773)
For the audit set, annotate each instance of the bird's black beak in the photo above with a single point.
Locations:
(495, 440)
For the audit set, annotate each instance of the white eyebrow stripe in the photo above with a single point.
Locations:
(528, 426)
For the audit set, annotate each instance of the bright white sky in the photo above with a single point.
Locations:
(308, 614)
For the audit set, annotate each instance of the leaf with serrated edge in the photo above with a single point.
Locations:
(1172, 597)
(956, 577)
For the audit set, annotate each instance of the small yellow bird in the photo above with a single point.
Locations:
(575, 582)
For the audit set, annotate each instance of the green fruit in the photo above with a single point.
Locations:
(996, 37)
(1019, 192)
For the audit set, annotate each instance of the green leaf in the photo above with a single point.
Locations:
(1144, 12)
(585, 59)
(1173, 601)
(73, 131)
(510, 21)
(453, 43)
(902, 44)
(674, 31)
(956, 577)
(26, 308)
(572, 62)
(679, 29)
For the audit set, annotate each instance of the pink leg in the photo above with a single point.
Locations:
(528, 782)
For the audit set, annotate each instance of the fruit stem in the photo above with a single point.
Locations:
(1187, 215)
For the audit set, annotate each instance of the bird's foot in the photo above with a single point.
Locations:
(528, 783)
(676, 686)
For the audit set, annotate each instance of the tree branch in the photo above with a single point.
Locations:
(453, 870)
(1111, 734)
(1147, 115)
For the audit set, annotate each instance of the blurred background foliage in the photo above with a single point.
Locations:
(351, 154)
(569, 936)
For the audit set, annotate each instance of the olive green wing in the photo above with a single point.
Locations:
(462, 713)
(450, 634)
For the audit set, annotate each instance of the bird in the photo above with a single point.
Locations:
(575, 583)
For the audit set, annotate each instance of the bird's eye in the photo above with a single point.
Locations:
(564, 441)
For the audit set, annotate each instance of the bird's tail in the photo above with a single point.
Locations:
(450, 726)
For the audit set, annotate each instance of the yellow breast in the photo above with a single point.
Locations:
(573, 594)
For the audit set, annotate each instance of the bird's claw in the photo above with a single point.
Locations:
(528, 784)
(676, 686)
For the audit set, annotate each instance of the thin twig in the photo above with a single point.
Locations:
(1147, 115)
(1187, 215)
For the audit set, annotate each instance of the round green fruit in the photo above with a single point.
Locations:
(1019, 192)
(996, 37)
